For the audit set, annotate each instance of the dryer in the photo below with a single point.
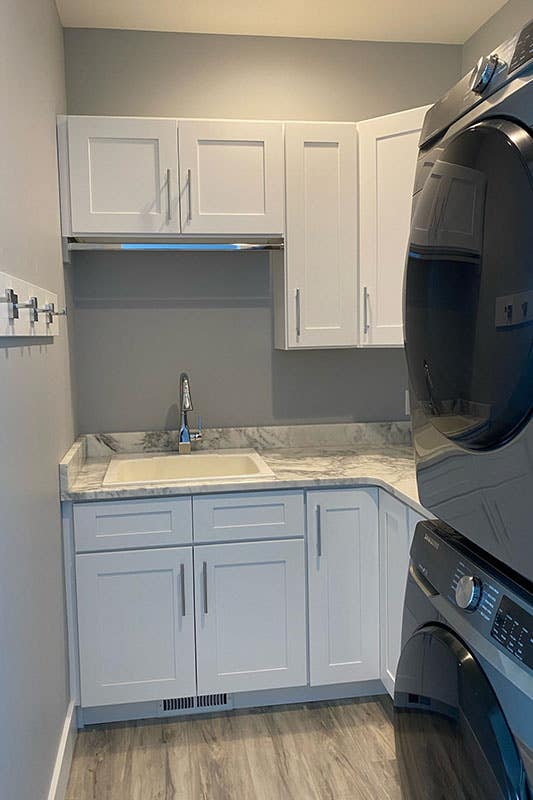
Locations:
(468, 306)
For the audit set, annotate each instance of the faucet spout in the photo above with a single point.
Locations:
(186, 436)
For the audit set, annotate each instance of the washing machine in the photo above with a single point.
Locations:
(464, 682)
(469, 306)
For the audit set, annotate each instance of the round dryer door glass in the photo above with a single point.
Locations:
(469, 287)
(452, 739)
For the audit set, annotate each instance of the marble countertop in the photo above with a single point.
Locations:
(374, 461)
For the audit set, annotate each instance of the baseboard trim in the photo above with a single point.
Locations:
(65, 751)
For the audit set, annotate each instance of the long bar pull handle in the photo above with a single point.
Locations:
(169, 195)
(365, 310)
(189, 196)
(182, 585)
(319, 531)
(298, 312)
(206, 607)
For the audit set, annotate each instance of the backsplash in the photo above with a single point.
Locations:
(260, 438)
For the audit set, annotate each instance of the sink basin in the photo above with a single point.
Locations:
(215, 465)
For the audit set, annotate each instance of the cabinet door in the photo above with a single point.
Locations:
(231, 177)
(388, 149)
(321, 239)
(343, 585)
(396, 529)
(136, 625)
(123, 175)
(250, 616)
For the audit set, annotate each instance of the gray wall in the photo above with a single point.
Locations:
(509, 19)
(35, 409)
(212, 314)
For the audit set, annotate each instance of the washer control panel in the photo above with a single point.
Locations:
(513, 628)
(500, 610)
(524, 48)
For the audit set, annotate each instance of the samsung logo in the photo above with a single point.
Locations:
(432, 542)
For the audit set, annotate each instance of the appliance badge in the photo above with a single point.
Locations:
(432, 542)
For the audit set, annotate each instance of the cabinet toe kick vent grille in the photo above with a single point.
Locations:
(206, 702)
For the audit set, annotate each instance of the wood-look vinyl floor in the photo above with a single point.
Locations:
(319, 751)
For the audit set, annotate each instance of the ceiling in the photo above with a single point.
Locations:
(451, 21)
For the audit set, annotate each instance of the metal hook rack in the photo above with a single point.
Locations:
(40, 318)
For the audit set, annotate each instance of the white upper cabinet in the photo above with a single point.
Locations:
(343, 569)
(316, 293)
(123, 174)
(388, 148)
(231, 177)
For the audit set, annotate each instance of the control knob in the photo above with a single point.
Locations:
(468, 592)
(483, 73)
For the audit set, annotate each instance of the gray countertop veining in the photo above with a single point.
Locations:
(385, 461)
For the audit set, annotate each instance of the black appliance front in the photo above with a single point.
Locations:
(452, 738)
(469, 335)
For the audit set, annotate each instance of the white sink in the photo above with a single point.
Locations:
(215, 465)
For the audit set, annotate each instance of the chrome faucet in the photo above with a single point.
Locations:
(186, 435)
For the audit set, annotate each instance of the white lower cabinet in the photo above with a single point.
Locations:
(396, 529)
(136, 625)
(250, 616)
(343, 585)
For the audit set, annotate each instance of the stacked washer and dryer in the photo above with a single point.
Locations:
(464, 685)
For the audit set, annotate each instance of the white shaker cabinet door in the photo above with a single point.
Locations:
(250, 616)
(320, 283)
(388, 149)
(136, 625)
(397, 525)
(343, 585)
(231, 177)
(123, 175)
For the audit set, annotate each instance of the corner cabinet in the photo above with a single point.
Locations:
(231, 177)
(343, 562)
(397, 525)
(123, 175)
(388, 149)
(315, 286)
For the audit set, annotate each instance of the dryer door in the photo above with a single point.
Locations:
(469, 287)
(452, 739)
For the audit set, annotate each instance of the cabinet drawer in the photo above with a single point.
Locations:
(254, 515)
(125, 524)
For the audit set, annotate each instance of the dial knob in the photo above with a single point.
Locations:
(468, 592)
(483, 73)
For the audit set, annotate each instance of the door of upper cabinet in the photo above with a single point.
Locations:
(321, 243)
(231, 177)
(342, 529)
(388, 149)
(395, 536)
(136, 625)
(123, 175)
(250, 616)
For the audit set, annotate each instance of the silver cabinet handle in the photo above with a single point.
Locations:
(319, 531)
(365, 310)
(189, 196)
(169, 195)
(206, 608)
(298, 312)
(182, 583)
